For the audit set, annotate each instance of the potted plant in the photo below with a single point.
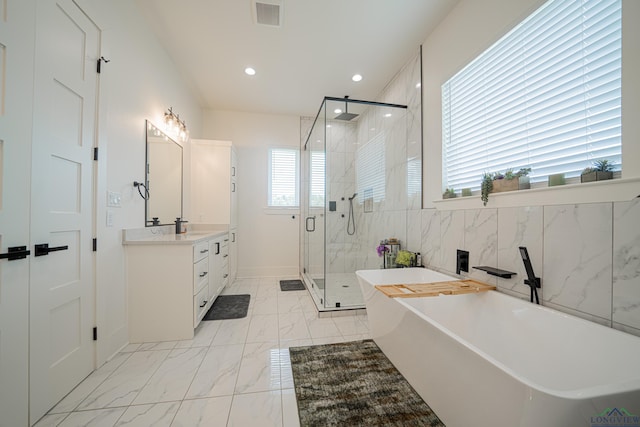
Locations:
(466, 192)
(601, 170)
(523, 178)
(556, 179)
(505, 182)
(486, 187)
(449, 193)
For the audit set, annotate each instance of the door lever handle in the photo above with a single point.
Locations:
(15, 253)
(44, 249)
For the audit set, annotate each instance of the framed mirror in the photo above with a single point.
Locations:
(163, 178)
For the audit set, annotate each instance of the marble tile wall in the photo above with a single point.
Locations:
(588, 255)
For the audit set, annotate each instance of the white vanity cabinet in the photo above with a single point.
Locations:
(172, 282)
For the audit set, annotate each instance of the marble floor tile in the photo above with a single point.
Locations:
(256, 410)
(234, 372)
(289, 303)
(124, 384)
(232, 331)
(259, 369)
(286, 373)
(95, 418)
(293, 326)
(295, 343)
(263, 328)
(165, 345)
(130, 348)
(351, 325)
(172, 379)
(209, 412)
(156, 415)
(51, 420)
(266, 305)
(218, 372)
(82, 390)
(320, 328)
(290, 416)
(205, 333)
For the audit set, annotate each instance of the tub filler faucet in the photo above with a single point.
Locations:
(532, 281)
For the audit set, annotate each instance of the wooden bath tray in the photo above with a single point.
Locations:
(453, 287)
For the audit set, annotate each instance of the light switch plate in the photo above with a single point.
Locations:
(114, 199)
(109, 218)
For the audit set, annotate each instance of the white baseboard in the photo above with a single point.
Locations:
(279, 271)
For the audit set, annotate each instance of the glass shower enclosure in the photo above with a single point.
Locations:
(358, 178)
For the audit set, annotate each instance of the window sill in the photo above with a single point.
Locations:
(281, 211)
(615, 190)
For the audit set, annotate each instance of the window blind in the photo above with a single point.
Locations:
(283, 177)
(546, 96)
(371, 168)
(317, 181)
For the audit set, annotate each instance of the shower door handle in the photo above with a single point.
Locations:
(313, 219)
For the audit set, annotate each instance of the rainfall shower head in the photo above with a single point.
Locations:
(346, 116)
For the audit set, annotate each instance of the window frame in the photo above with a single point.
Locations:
(490, 165)
(296, 178)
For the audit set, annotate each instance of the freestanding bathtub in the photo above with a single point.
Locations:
(489, 359)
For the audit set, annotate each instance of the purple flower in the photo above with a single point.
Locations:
(381, 249)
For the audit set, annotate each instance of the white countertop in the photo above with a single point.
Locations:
(161, 236)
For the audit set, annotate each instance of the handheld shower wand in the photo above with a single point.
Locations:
(351, 222)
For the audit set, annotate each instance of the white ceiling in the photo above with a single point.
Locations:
(319, 46)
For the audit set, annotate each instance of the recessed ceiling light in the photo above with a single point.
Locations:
(250, 71)
(337, 111)
(356, 77)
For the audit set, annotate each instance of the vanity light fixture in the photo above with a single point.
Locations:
(176, 126)
(356, 77)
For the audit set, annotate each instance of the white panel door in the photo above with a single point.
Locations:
(17, 28)
(62, 315)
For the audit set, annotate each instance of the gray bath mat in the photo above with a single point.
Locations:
(292, 285)
(228, 307)
(354, 384)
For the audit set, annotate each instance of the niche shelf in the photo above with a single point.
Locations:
(496, 271)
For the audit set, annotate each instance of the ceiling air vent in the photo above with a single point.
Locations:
(268, 13)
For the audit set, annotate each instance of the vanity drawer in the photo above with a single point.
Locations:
(200, 305)
(200, 275)
(200, 250)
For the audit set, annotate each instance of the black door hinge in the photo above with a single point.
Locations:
(95, 333)
(95, 245)
(95, 153)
